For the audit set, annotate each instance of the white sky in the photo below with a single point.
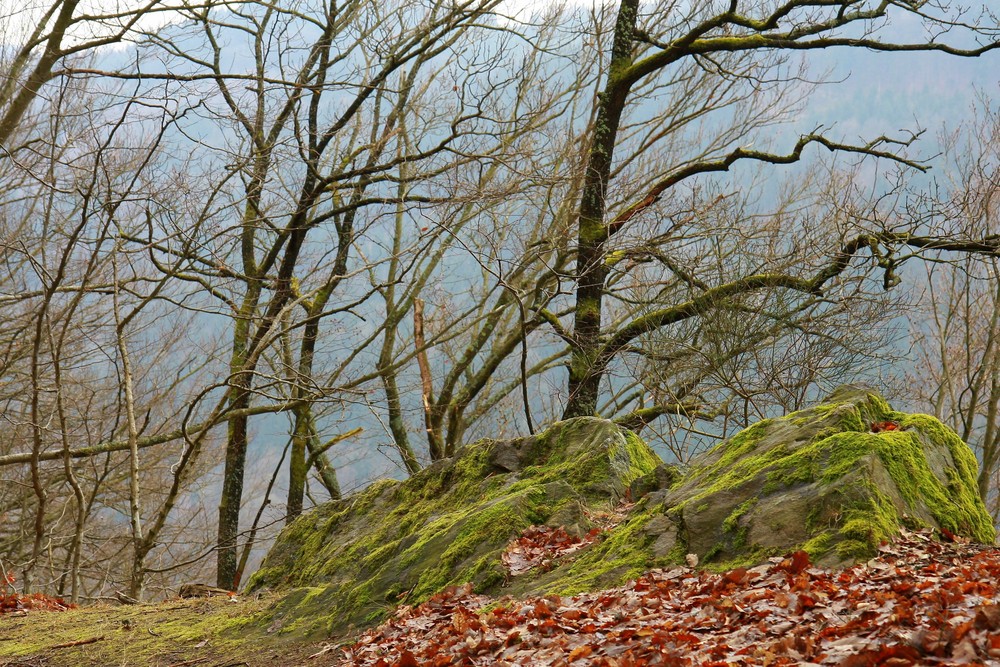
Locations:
(18, 18)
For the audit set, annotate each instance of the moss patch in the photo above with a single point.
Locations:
(209, 630)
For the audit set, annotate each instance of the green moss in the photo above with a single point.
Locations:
(737, 472)
(205, 630)
(740, 445)
(448, 524)
(831, 446)
(879, 409)
(875, 519)
(624, 462)
(490, 529)
(755, 556)
(783, 466)
(489, 571)
(638, 458)
(819, 545)
(624, 554)
(867, 522)
(956, 506)
(853, 550)
(789, 471)
(963, 479)
(676, 555)
(731, 524)
(853, 420)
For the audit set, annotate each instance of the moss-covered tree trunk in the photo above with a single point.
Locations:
(235, 464)
(304, 429)
(387, 373)
(297, 465)
(241, 369)
(586, 368)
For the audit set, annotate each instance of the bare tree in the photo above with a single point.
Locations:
(90, 171)
(957, 330)
(424, 222)
(44, 38)
(315, 149)
(715, 37)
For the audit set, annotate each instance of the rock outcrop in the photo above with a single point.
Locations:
(353, 560)
(834, 480)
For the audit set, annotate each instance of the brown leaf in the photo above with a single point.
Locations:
(406, 659)
(988, 617)
(934, 601)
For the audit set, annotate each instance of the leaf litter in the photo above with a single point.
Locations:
(13, 603)
(919, 602)
(541, 546)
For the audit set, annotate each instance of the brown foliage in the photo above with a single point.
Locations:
(920, 601)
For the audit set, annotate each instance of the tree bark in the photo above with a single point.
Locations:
(591, 271)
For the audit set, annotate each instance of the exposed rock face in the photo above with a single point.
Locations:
(822, 480)
(448, 524)
(819, 480)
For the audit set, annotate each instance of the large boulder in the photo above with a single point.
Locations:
(834, 480)
(352, 560)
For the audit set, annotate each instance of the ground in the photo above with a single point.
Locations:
(201, 631)
(920, 601)
(583, 507)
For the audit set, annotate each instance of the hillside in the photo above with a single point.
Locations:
(920, 601)
(579, 546)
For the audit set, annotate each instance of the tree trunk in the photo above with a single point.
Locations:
(586, 370)
(297, 469)
(232, 491)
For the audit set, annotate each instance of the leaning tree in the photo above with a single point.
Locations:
(616, 223)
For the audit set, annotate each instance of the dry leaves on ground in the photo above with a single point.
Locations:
(19, 604)
(540, 546)
(919, 602)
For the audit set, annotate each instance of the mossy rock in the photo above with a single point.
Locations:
(351, 561)
(818, 480)
(821, 480)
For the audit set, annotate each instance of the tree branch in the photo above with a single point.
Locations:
(723, 164)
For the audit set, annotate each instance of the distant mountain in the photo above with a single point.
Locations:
(882, 92)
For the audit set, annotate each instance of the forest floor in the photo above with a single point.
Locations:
(920, 602)
(200, 632)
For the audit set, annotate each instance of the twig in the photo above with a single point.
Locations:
(426, 381)
(79, 642)
(125, 599)
(329, 648)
